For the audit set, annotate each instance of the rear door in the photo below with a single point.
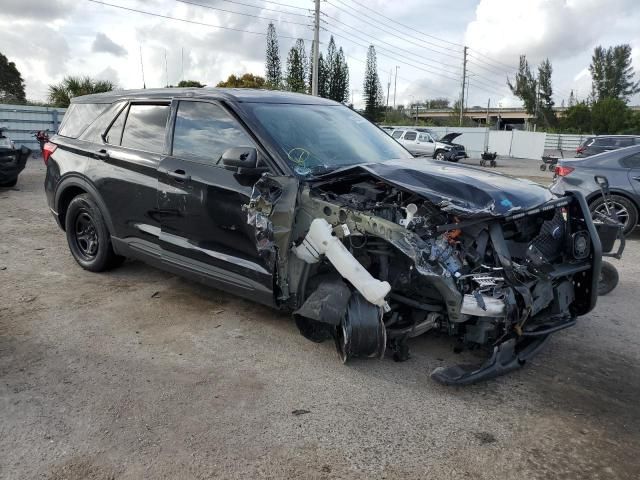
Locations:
(632, 162)
(125, 172)
(204, 227)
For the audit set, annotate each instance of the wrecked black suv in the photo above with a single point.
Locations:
(300, 203)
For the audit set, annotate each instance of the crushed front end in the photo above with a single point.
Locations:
(374, 264)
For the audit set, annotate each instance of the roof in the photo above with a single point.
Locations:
(230, 94)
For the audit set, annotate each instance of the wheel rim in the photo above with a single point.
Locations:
(86, 236)
(620, 210)
(440, 156)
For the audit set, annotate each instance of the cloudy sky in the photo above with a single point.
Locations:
(48, 39)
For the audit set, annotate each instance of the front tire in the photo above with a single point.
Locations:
(440, 155)
(88, 237)
(626, 210)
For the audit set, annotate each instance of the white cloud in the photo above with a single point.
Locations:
(104, 44)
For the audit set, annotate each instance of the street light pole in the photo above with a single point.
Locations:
(316, 50)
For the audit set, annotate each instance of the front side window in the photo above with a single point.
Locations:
(424, 137)
(145, 127)
(204, 131)
(410, 136)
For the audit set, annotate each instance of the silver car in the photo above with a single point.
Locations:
(422, 142)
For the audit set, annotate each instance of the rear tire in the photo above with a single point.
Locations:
(628, 211)
(88, 237)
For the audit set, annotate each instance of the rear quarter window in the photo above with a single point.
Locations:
(78, 117)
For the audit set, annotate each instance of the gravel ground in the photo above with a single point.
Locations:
(140, 374)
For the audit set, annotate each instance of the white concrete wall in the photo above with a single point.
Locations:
(515, 143)
(527, 144)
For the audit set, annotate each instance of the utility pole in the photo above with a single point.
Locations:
(464, 79)
(395, 86)
(486, 120)
(182, 63)
(316, 50)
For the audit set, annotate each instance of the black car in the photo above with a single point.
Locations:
(605, 143)
(622, 170)
(12, 161)
(300, 203)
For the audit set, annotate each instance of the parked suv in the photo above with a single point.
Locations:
(12, 160)
(605, 143)
(423, 142)
(300, 203)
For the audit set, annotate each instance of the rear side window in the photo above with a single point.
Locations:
(145, 127)
(624, 142)
(397, 134)
(410, 136)
(97, 128)
(204, 131)
(78, 117)
(632, 161)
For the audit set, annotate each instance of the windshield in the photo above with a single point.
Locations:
(317, 139)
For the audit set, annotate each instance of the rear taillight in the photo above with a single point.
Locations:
(563, 171)
(47, 150)
(580, 149)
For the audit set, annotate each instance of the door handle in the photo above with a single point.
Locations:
(179, 175)
(102, 154)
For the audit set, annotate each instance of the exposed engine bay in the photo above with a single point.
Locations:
(373, 264)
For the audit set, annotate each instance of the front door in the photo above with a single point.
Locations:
(204, 225)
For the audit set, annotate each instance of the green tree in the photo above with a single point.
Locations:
(190, 83)
(60, 94)
(437, 103)
(545, 95)
(610, 116)
(339, 75)
(297, 68)
(372, 87)
(577, 119)
(612, 74)
(273, 68)
(11, 83)
(248, 80)
(525, 86)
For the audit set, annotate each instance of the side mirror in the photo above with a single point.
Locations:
(242, 160)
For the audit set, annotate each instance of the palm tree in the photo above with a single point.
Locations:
(60, 94)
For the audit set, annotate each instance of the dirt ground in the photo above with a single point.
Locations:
(137, 373)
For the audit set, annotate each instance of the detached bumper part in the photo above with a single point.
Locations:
(506, 357)
(319, 241)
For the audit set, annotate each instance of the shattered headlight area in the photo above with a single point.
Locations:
(374, 265)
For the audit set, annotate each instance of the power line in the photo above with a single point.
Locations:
(194, 22)
(392, 57)
(398, 23)
(440, 92)
(437, 64)
(379, 26)
(260, 17)
(260, 7)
